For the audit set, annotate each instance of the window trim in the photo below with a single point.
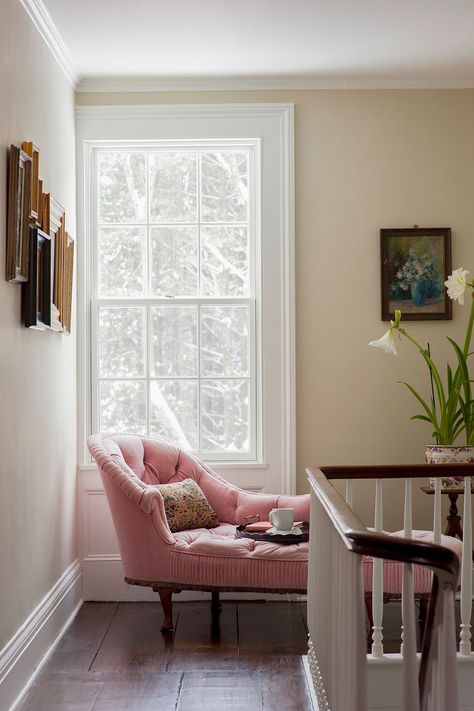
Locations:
(274, 124)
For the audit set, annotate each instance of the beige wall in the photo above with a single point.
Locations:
(364, 160)
(37, 369)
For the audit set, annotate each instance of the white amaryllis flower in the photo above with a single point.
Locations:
(457, 285)
(386, 343)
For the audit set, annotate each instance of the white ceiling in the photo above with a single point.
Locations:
(370, 40)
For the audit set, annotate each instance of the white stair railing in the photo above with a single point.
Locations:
(336, 614)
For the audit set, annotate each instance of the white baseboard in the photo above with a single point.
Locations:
(22, 655)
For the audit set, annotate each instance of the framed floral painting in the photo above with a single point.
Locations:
(415, 263)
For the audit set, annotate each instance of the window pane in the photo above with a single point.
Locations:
(122, 187)
(174, 261)
(122, 261)
(225, 416)
(122, 334)
(122, 406)
(224, 187)
(173, 341)
(173, 187)
(224, 261)
(224, 340)
(173, 415)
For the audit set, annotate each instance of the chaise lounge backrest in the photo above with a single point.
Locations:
(137, 464)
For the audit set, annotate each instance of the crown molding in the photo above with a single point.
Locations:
(43, 22)
(177, 111)
(263, 83)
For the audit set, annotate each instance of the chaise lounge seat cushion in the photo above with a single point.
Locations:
(217, 559)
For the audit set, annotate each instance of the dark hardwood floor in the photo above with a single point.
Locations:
(113, 657)
(247, 657)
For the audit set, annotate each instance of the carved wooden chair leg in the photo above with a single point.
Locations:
(216, 603)
(167, 605)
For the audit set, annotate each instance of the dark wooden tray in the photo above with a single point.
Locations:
(283, 540)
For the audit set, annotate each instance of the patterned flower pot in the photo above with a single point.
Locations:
(418, 291)
(449, 454)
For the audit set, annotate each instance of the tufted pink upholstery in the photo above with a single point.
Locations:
(131, 466)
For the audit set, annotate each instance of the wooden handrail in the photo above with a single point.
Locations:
(395, 471)
(442, 561)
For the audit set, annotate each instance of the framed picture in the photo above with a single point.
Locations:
(57, 219)
(35, 215)
(68, 283)
(415, 263)
(18, 220)
(36, 292)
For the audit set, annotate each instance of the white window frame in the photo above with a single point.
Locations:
(269, 126)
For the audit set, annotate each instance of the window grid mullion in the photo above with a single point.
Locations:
(188, 223)
(173, 377)
(148, 285)
(199, 398)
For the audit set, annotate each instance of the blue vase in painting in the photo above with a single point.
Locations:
(418, 291)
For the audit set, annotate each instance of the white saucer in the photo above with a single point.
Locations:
(295, 531)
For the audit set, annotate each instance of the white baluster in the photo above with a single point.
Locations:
(407, 513)
(466, 572)
(377, 578)
(349, 492)
(407, 532)
(411, 698)
(437, 512)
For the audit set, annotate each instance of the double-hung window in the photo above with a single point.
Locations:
(176, 294)
(186, 283)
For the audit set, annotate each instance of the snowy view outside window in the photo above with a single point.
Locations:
(174, 296)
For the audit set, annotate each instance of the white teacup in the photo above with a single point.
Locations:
(282, 519)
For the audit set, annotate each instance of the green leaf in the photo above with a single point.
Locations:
(431, 415)
(450, 377)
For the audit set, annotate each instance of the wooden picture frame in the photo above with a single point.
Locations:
(63, 246)
(57, 218)
(46, 212)
(18, 215)
(68, 284)
(415, 263)
(35, 195)
(36, 292)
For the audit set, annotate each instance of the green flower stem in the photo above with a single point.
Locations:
(434, 369)
(410, 338)
(470, 323)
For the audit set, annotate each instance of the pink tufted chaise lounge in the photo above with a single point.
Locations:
(199, 559)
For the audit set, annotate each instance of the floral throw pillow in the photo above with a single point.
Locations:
(186, 506)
